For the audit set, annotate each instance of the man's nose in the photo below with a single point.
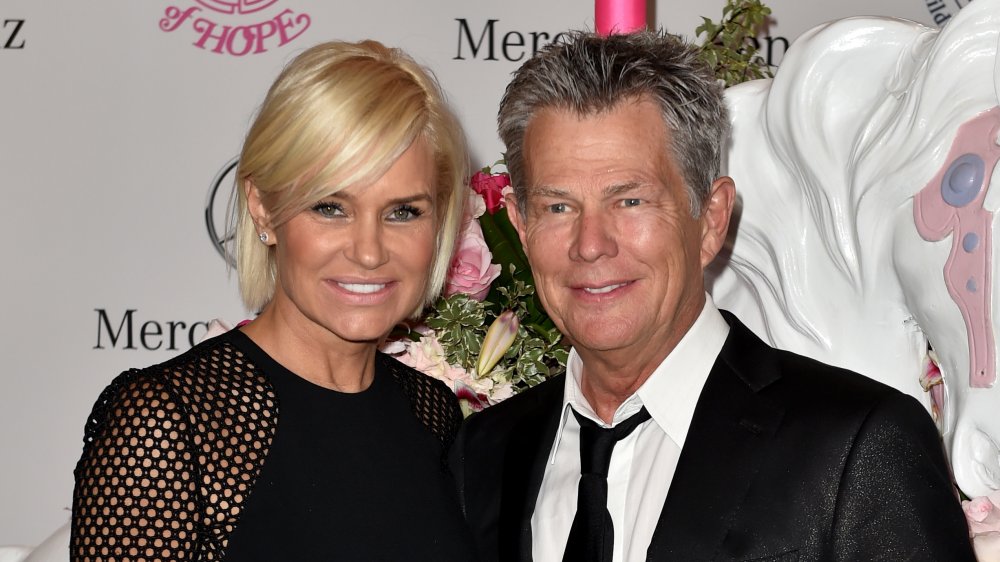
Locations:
(594, 237)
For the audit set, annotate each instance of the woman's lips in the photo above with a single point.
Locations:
(362, 288)
(366, 291)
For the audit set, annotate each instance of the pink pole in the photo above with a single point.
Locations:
(619, 16)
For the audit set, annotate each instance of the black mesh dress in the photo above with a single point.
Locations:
(222, 453)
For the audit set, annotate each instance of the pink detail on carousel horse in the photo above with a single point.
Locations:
(952, 203)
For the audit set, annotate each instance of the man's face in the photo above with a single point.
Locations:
(616, 255)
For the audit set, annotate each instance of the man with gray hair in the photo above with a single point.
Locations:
(676, 434)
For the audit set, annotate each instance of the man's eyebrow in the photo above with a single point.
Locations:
(621, 188)
(558, 193)
(546, 191)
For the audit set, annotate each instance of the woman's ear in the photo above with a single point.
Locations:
(258, 212)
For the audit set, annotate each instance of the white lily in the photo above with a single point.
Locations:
(498, 340)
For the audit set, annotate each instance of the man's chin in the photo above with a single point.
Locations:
(602, 343)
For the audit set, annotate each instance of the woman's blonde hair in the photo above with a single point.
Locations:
(340, 114)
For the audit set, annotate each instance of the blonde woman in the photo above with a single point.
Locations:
(292, 437)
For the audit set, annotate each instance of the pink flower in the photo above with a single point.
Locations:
(427, 356)
(471, 272)
(933, 383)
(474, 208)
(983, 517)
(490, 186)
(983, 514)
(470, 400)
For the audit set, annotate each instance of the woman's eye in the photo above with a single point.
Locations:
(328, 210)
(404, 213)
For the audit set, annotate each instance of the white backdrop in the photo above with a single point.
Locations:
(112, 130)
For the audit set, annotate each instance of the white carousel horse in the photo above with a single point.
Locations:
(55, 548)
(867, 223)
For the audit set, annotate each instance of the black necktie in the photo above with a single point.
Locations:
(591, 538)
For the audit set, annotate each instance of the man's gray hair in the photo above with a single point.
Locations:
(589, 74)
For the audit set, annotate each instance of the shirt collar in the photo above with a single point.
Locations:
(671, 392)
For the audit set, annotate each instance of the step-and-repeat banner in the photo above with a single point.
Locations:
(119, 124)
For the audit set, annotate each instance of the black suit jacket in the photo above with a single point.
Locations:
(786, 459)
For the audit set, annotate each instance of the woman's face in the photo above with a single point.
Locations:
(357, 262)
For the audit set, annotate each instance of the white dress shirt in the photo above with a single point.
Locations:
(642, 464)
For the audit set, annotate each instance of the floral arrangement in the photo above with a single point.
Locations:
(488, 336)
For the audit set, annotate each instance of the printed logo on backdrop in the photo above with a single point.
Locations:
(126, 329)
(236, 27)
(12, 34)
(482, 40)
(942, 10)
(488, 40)
(135, 333)
(220, 193)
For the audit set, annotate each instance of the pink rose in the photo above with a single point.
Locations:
(983, 514)
(983, 517)
(427, 356)
(490, 186)
(471, 272)
(474, 208)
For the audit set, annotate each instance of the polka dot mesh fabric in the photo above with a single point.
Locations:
(433, 403)
(171, 453)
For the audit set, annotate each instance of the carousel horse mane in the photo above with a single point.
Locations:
(824, 256)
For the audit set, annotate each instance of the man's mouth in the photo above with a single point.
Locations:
(604, 289)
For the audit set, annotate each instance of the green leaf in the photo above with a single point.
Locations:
(725, 47)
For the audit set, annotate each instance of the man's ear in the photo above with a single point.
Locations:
(715, 214)
(258, 212)
(516, 219)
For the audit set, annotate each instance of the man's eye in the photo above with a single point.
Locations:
(405, 213)
(631, 202)
(556, 208)
(328, 210)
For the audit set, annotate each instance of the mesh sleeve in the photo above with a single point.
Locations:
(433, 403)
(136, 484)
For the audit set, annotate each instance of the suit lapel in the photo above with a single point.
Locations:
(731, 426)
(524, 467)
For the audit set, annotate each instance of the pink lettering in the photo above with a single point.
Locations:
(175, 17)
(262, 31)
(250, 6)
(285, 23)
(221, 6)
(246, 33)
(238, 40)
(236, 6)
(206, 28)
